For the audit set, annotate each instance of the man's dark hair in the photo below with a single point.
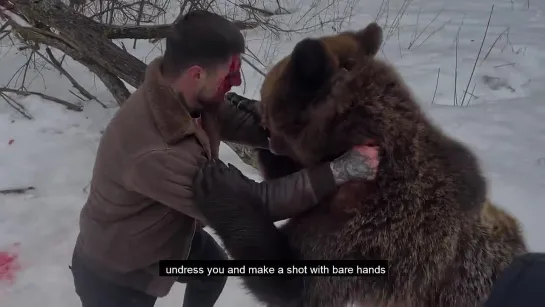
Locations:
(200, 38)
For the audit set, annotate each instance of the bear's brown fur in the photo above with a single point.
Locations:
(427, 212)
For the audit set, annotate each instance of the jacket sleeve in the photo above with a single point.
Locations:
(241, 126)
(291, 195)
(521, 284)
(167, 177)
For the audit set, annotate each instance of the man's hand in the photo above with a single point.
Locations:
(246, 112)
(360, 163)
(242, 103)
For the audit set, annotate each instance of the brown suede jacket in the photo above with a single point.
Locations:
(140, 208)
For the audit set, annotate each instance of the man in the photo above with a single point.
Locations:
(521, 284)
(140, 208)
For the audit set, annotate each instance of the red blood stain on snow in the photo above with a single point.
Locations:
(9, 264)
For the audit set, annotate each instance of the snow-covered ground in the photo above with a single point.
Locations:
(54, 152)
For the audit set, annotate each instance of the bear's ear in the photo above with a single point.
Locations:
(310, 65)
(370, 39)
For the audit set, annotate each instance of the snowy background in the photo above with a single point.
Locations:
(434, 45)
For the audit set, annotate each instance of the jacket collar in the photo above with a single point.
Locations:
(167, 106)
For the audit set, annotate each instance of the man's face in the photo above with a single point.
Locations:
(212, 82)
(209, 86)
(219, 81)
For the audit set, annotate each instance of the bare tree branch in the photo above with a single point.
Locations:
(63, 71)
(154, 31)
(111, 81)
(15, 105)
(68, 105)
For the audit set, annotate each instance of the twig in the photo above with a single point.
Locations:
(27, 64)
(16, 190)
(423, 30)
(471, 95)
(397, 19)
(436, 85)
(416, 25)
(493, 44)
(399, 44)
(456, 73)
(457, 39)
(478, 54)
(263, 12)
(433, 32)
(63, 71)
(68, 105)
(379, 11)
(501, 65)
(15, 105)
(77, 96)
(4, 27)
(254, 56)
(253, 66)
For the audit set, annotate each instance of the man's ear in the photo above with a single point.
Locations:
(191, 78)
(196, 73)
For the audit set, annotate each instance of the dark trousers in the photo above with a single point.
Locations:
(200, 291)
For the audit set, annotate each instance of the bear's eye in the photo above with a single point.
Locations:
(347, 63)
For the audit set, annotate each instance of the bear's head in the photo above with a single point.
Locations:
(331, 93)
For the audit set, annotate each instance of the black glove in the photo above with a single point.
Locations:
(242, 103)
(249, 106)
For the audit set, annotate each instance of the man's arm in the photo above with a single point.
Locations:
(291, 195)
(240, 123)
(167, 177)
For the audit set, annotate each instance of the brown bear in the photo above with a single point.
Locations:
(427, 211)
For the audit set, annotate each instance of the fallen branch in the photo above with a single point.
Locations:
(16, 190)
(84, 37)
(15, 105)
(68, 105)
(154, 31)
